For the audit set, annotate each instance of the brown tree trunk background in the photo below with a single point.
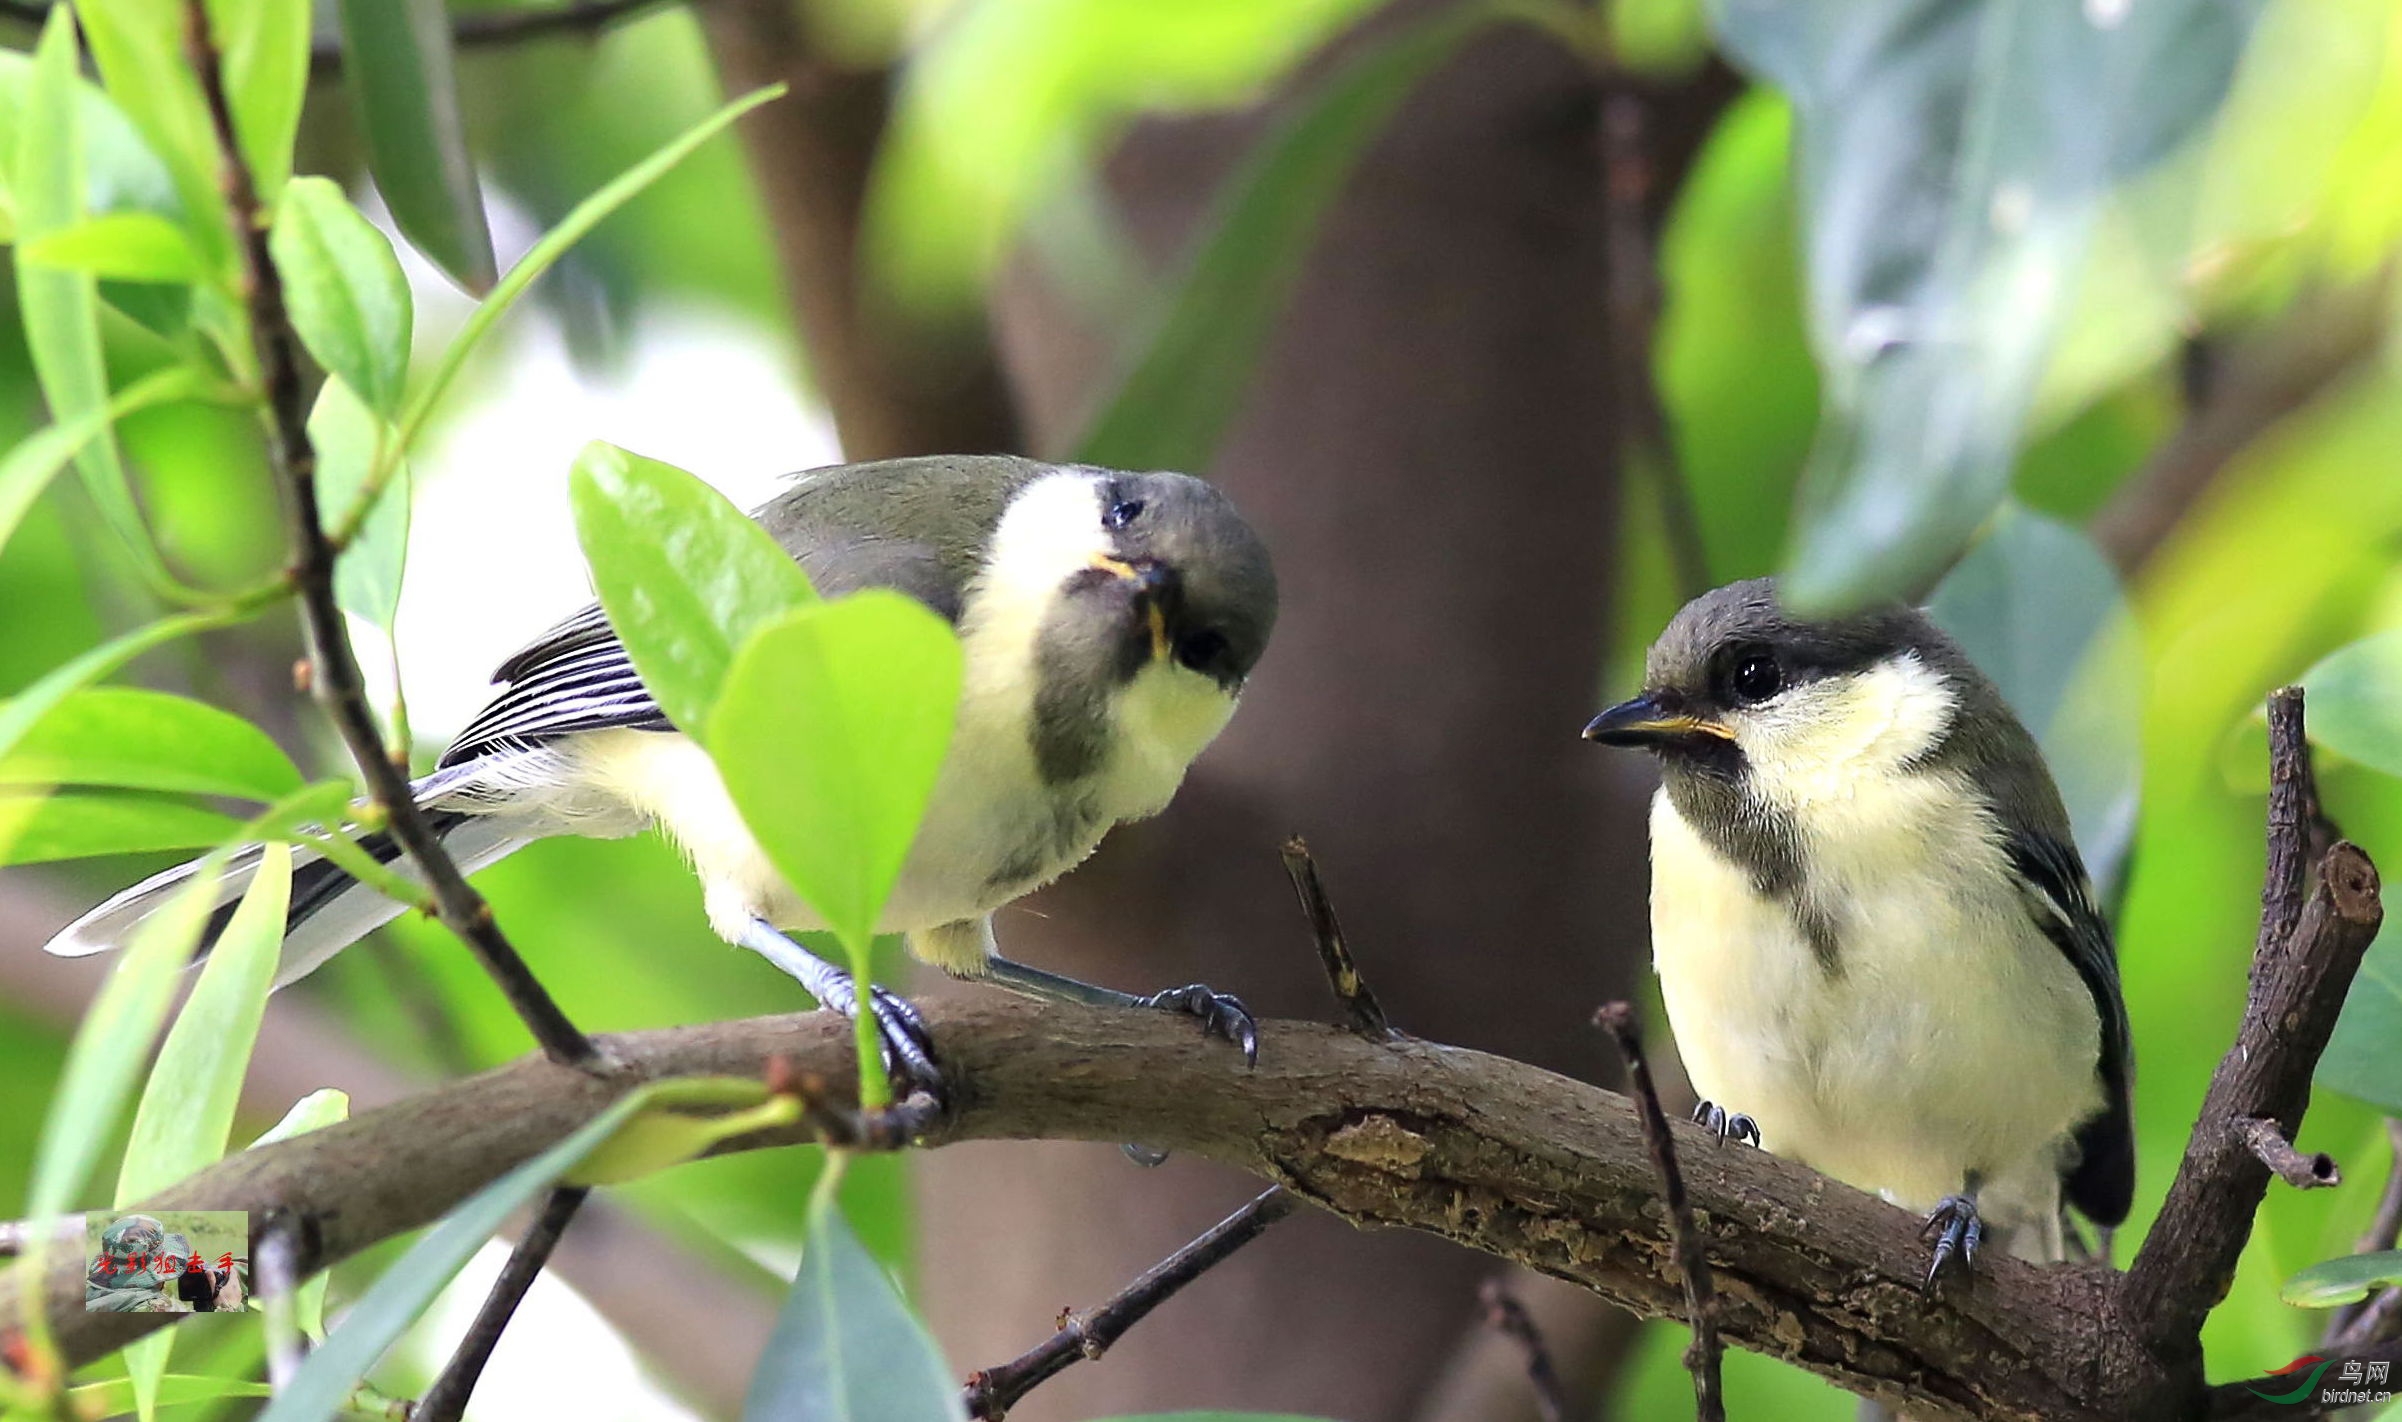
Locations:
(1428, 451)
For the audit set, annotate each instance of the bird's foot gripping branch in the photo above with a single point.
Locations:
(1496, 1155)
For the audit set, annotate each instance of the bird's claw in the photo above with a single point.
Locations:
(1724, 1124)
(1222, 1015)
(908, 1048)
(1957, 1231)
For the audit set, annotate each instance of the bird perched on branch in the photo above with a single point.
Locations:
(1107, 620)
(1875, 938)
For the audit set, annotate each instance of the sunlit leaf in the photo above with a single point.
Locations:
(680, 1122)
(1189, 375)
(351, 440)
(2355, 701)
(126, 246)
(27, 709)
(150, 740)
(348, 298)
(2039, 609)
(266, 49)
(830, 731)
(846, 1348)
(686, 576)
(2344, 1281)
(112, 1397)
(187, 1108)
(138, 46)
(1953, 158)
(400, 76)
(407, 1289)
(306, 1309)
(32, 462)
(2364, 1057)
(37, 828)
(121, 174)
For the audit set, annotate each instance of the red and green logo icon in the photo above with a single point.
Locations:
(2308, 1387)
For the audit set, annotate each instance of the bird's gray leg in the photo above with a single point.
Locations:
(1724, 1124)
(908, 1050)
(1221, 1014)
(1956, 1229)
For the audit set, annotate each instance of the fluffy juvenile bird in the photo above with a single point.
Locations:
(1874, 935)
(1108, 622)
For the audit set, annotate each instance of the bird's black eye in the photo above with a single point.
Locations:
(1121, 513)
(1201, 650)
(1755, 676)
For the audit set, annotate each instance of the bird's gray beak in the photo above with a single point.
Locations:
(1154, 584)
(1654, 718)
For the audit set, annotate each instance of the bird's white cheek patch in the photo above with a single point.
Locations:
(1816, 743)
(1052, 529)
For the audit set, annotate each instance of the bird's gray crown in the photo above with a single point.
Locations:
(1704, 646)
(1225, 600)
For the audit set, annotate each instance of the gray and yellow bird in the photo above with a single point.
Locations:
(1874, 935)
(1108, 621)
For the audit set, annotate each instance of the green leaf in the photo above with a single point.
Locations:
(351, 442)
(1175, 400)
(348, 297)
(398, 70)
(121, 173)
(266, 49)
(846, 1347)
(680, 1122)
(2364, 1057)
(2355, 700)
(37, 828)
(113, 1397)
(150, 740)
(187, 1108)
(126, 246)
(306, 1309)
(138, 46)
(830, 732)
(2039, 609)
(28, 468)
(406, 1289)
(113, 1045)
(2344, 1281)
(1954, 156)
(20, 714)
(544, 254)
(686, 576)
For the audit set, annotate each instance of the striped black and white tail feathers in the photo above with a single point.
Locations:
(330, 910)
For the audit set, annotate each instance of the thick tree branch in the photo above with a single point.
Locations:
(333, 667)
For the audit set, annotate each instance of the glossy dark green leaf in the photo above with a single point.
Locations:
(407, 1289)
(266, 49)
(2344, 1281)
(149, 740)
(846, 1348)
(351, 442)
(348, 298)
(2039, 609)
(38, 827)
(1190, 373)
(686, 576)
(1953, 157)
(127, 246)
(2355, 701)
(2364, 1057)
(397, 65)
(830, 731)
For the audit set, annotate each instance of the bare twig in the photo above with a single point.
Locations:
(2303, 1172)
(334, 668)
(1505, 1315)
(2312, 935)
(2385, 1227)
(278, 1243)
(1361, 1011)
(1684, 1237)
(991, 1392)
(446, 1400)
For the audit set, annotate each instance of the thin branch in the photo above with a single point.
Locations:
(2316, 920)
(991, 1392)
(2385, 1227)
(1508, 1317)
(2304, 1172)
(1703, 1354)
(446, 1400)
(1361, 1011)
(334, 668)
(278, 1243)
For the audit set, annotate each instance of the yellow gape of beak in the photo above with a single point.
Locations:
(1158, 620)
